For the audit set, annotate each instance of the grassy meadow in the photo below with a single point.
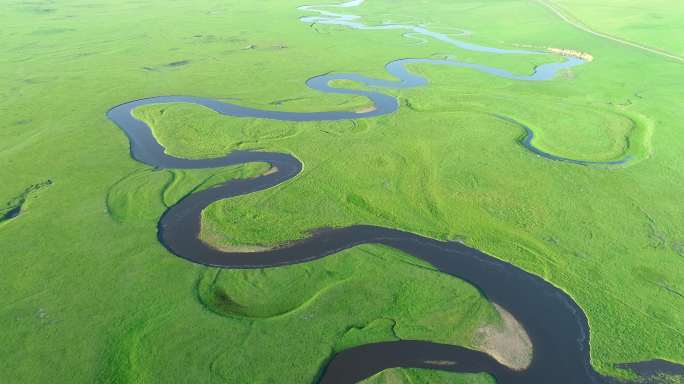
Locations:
(91, 296)
(657, 23)
(423, 376)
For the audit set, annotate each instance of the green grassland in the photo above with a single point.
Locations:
(282, 325)
(658, 23)
(422, 376)
(91, 296)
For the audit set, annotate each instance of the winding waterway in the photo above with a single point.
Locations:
(556, 326)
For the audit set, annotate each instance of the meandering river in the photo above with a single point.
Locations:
(556, 326)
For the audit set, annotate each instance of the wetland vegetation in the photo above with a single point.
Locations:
(97, 291)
